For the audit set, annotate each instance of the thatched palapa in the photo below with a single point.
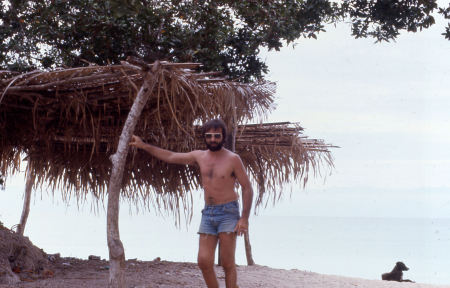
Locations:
(66, 123)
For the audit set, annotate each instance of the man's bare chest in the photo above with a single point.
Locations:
(216, 169)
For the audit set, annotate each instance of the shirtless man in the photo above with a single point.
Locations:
(219, 169)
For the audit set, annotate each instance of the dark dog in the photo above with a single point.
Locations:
(397, 273)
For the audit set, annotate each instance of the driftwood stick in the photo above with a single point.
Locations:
(130, 81)
(145, 66)
(130, 66)
(82, 79)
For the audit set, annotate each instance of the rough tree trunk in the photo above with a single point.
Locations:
(26, 201)
(232, 145)
(116, 250)
(248, 249)
(248, 246)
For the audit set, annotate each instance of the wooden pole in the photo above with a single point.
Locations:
(248, 246)
(248, 249)
(115, 246)
(26, 201)
(230, 144)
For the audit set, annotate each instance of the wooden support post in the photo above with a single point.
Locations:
(248, 249)
(26, 200)
(248, 246)
(232, 144)
(115, 246)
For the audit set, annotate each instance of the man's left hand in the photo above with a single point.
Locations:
(241, 226)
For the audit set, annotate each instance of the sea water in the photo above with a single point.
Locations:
(356, 247)
(362, 247)
(348, 246)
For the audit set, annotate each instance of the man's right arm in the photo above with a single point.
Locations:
(163, 154)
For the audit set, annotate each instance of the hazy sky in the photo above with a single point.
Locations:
(386, 105)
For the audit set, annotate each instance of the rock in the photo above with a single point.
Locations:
(47, 273)
(93, 257)
(6, 275)
(53, 257)
(19, 257)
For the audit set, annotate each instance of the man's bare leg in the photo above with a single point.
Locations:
(205, 260)
(227, 251)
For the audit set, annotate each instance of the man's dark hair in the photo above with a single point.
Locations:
(215, 124)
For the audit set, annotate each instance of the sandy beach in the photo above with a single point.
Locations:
(76, 273)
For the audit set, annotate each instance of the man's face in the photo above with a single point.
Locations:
(214, 140)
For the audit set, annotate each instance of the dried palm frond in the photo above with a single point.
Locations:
(67, 122)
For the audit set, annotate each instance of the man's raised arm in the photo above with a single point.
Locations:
(163, 154)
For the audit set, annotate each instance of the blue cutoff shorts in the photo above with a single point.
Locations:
(219, 218)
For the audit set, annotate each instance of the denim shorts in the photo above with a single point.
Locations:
(219, 218)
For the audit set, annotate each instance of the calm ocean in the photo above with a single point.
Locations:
(356, 247)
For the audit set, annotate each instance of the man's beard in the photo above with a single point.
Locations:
(214, 148)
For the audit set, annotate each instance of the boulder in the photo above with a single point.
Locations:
(19, 258)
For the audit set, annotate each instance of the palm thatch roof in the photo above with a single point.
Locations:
(67, 122)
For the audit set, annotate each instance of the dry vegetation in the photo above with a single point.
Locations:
(66, 123)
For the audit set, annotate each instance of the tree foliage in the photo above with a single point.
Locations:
(446, 13)
(224, 35)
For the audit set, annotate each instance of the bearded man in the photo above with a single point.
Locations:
(221, 218)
